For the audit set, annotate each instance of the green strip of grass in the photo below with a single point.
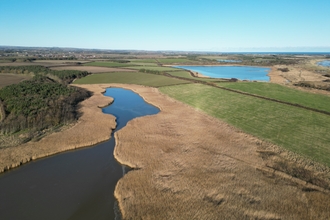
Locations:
(138, 78)
(186, 74)
(176, 61)
(157, 68)
(283, 93)
(144, 60)
(144, 64)
(298, 130)
(110, 64)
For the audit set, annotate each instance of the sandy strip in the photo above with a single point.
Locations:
(192, 166)
(93, 127)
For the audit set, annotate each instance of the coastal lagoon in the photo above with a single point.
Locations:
(77, 184)
(228, 72)
(325, 63)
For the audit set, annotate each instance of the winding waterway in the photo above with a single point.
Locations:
(77, 184)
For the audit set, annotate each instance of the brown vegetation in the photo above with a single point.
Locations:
(9, 79)
(192, 166)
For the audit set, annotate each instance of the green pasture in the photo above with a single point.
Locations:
(144, 64)
(186, 74)
(110, 64)
(143, 60)
(130, 78)
(176, 61)
(298, 130)
(283, 93)
(156, 68)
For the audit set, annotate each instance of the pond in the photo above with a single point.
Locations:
(325, 63)
(77, 184)
(228, 72)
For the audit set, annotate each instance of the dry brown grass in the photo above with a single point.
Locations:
(9, 79)
(93, 69)
(192, 166)
(295, 74)
(92, 127)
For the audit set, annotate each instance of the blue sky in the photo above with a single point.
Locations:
(190, 25)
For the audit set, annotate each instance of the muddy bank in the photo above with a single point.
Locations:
(192, 166)
(93, 127)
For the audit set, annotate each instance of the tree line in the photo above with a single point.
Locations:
(41, 102)
(65, 76)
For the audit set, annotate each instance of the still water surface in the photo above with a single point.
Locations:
(325, 63)
(77, 184)
(227, 72)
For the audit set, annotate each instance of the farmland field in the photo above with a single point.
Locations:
(295, 129)
(110, 64)
(176, 61)
(186, 74)
(157, 68)
(282, 93)
(144, 61)
(130, 78)
(8, 79)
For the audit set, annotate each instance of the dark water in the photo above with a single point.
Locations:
(227, 72)
(74, 185)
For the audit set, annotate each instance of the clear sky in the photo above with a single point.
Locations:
(191, 25)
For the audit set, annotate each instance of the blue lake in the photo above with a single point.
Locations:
(325, 63)
(227, 72)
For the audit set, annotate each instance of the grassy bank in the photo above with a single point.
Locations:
(130, 78)
(282, 93)
(298, 130)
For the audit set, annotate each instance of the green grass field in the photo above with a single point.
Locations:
(176, 61)
(157, 68)
(144, 64)
(110, 64)
(186, 74)
(143, 60)
(275, 91)
(298, 130)
(130, 78)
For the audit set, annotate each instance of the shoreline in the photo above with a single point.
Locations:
(77, 135)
